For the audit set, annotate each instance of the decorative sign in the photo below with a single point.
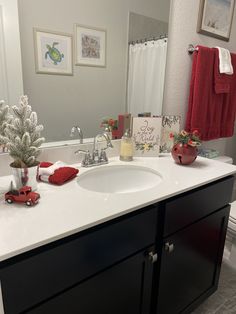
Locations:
(146, 135)
(170, 124)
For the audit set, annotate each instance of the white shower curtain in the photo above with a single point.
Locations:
(146, 75)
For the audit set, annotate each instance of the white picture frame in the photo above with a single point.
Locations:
(53, 52)
(90, 46)
(215, 18)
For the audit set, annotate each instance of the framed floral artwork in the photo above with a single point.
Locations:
(53, 52)
(90, 46)
(215, 18)
(170, 124)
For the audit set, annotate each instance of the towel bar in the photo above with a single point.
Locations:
(191, 49)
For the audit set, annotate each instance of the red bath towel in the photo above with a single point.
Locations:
(211, 113)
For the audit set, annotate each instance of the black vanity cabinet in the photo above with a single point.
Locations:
(192, 246)
(113, 268)
(118, 289)
(107, 269)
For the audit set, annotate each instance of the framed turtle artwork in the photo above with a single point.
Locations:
(53, 52)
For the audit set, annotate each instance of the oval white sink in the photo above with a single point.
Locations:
(119, 179)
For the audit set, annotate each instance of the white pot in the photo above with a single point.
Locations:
(25, 176)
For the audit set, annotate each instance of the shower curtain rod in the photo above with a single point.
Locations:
(144, 40)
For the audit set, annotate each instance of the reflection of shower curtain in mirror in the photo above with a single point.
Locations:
(146, 77)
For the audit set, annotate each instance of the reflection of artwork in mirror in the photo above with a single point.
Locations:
(90, 46)
(53, 52)
(170, 124)
(215, 18)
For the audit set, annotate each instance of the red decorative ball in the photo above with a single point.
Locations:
(184, 155)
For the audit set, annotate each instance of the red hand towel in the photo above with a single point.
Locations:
(45, 164)
(210, 113)
(63, 175)
(60, 175)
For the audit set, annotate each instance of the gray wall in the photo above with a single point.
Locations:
(92, 93)
(141, 27)
(182, 32)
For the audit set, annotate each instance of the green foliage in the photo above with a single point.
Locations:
(144, 147)
(5, 118)
(22, 135)
(186, 138)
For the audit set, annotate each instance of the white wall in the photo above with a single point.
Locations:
(10, 53)
(182, 32)
(3, 70)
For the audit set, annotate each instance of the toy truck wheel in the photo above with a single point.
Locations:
(28, 203)
(9, 201)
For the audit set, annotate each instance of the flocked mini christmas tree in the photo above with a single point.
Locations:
(23, 135)
(5, 118)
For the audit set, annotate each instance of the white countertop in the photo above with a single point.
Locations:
(68, 209)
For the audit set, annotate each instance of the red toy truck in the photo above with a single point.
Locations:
(23, 195)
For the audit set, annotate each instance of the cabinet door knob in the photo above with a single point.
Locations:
(169, 247)
(152, 257)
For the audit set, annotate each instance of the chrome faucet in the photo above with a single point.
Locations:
(75, 129)
(96, 158)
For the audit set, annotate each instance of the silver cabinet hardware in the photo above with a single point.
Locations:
(152, 257)
(169, 247)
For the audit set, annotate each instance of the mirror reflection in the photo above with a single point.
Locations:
(94, 92)
(146, 64)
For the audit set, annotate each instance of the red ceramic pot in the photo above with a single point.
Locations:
(184, 154)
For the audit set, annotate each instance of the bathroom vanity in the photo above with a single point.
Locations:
(156, 251)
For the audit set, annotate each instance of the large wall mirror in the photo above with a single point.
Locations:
(92, 92)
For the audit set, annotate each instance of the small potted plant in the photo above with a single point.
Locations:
(5, 118)
(185, 146)
(22, 137)
(110, 125)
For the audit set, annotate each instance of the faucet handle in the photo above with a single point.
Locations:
(87, 157)
(103, 155)
(82, 151)
(95, 156)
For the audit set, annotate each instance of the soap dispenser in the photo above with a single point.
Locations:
(126, 147)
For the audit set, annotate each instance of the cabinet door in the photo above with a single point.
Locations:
(124, 288)
(48, 271)
(190, 264)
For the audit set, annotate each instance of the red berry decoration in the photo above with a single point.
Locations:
(185, 151)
